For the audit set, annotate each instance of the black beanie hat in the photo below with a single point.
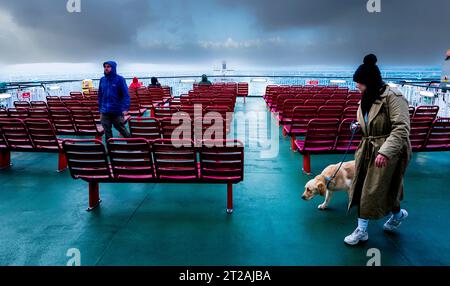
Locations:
(368, 73)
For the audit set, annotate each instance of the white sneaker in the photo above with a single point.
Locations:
(357, 236)
(393, 224)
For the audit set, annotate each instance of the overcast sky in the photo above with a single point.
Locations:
(265, 33)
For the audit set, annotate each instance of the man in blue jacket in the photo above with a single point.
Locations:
(113, 101)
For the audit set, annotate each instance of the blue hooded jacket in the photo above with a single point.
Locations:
(113, 97)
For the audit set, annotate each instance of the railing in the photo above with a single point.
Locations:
(417, 91)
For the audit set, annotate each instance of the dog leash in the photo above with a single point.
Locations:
(354, 128)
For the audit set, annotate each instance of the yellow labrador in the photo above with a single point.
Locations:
(342, 182)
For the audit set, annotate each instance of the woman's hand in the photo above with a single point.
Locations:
(381, 161)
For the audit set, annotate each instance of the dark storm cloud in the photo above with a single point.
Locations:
(265, 32)
(100, 28)
(405, 32)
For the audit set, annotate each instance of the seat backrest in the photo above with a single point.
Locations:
(131, 159)
(321, 134)
(22, 104)
(352, 102)
(39, 104)
(336, 102)
(278, 105)
(148, 128)
(243, 88)
(87, 159)
(420, 129)
(165, 111)
(62, 120)
(345, 135)
(325, 96)
(53, 98)
(179, 126)
(350, 112)
(84, 121)
(303, 114)
(21, 113)
(55, 104)
(42, 134)
(175, 159)
(16, 134)
(72, 104)
(134, 102)
(426, 111)
(3, 113)
(315, 102)
(289, 106)
(212, 126)
(40, 113)
(222, 160)
(330, 111)
(76, 95)
(439, 137)
(339, 96)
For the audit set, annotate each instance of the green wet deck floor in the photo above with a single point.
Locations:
(42, 215)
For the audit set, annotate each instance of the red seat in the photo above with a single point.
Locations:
(426, 111)
(320, 136)
(22, 104)
(242, 90)
(329, 111)
(148, 128)
(345, 135)
(420, 129)
(43, 135)
(278, 105)
(15, 134)
(320, 139)
(85, 123)
(39, 104)
(350, 112)
(165, 111)
(87, 159)
(287, 110)
(62, 120)
(301, 117)
(38, 113)
(20, 113)
(336, 102)
(173, 162)
(131, 159)
(439, 138)
(178, 126)
(222, 161)
(315, 102)
(3, 113)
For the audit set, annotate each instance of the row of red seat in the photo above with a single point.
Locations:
(74, 121)
(272, 89)
(212, 126)
(160, 161)
(29, 135)
(330, 136)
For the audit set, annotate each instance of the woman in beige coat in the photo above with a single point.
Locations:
(383, 154)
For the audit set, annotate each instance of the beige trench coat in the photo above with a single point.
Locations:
(377, 191)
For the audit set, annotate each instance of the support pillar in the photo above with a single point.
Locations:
(94, 196)
(62, 162)
(230, 198)
(307, 164)
(5, 159)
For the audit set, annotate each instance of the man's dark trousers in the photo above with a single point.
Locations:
(109, 120)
